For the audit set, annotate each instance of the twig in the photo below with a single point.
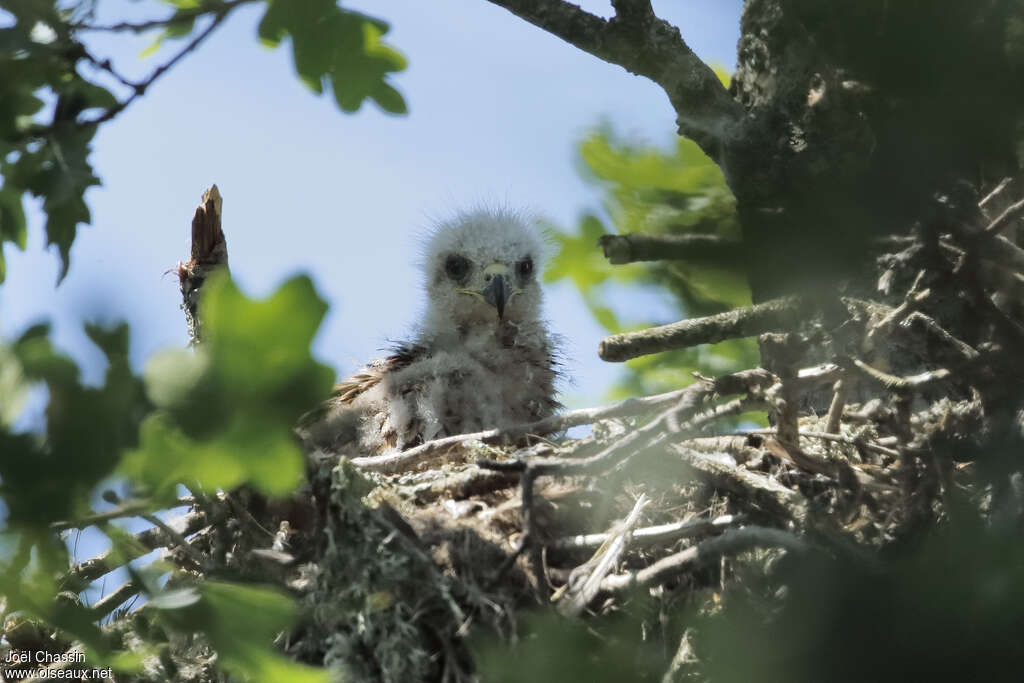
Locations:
(79, 576)
(998, 190)
(826, 436)
(140, 88)
(901, 384)
(764, 492)
(108, 603)
(179, 541)
(769, 316)
(130, 509)
(630, 407)
(649, 47)
(918, 321)
(1005, 218)
(619, 249)
(648, 436)
(684, 656)
(731, 542)
(652, 535)
(173, 20)
(835, 409)
(585, 581)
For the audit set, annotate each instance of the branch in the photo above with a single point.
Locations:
(770, 316)
(901, 384)
(652, 535)
(631, 407)
(652, 434)
(209, 252)
(1005, 218)
(730, 543)
(645, 45)
(764, 492)
(79, 576)
(619, 249)
(140, 88)
(108, 603)
(585, 580)
(173, 20)
(998, 190)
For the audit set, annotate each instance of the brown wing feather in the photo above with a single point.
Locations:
(347, 391)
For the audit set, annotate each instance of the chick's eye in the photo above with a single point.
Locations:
(525, 267)
(456, 267)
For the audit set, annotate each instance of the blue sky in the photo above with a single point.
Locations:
(496, 108)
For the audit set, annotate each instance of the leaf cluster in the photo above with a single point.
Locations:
(53, 98)
(214, 419)
(652, 191)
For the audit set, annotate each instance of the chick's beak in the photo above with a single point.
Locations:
(496, 291)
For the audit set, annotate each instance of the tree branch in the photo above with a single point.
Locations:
(619, 249)
(769, 316)
(631, 407)
(209, 253)
(645, 45)
(729, 543)
(662, 533)
(79, 576)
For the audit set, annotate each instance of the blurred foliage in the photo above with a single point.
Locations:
(54, 94)
(212, 406)
(240, 621)
(38, 67)
(217, 418)
(948, 608)
(669, 193)
(556, 649)
(337, 46)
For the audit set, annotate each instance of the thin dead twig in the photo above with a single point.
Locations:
(652, 535)
(585, 580)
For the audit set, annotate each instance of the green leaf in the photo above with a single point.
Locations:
(13, 387)
(175, 599)
(181, 26)
(227, 411)
(336, 47)
(86, 429)
(12, 222)
(650, 190)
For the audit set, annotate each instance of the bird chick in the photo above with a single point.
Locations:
(481, 357)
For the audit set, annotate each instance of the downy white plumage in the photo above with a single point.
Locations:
(481, 357)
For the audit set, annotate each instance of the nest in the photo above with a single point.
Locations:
(404, 561)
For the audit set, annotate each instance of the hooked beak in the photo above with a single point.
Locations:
(496, 292)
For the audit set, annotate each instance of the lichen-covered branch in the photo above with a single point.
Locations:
(770, 316)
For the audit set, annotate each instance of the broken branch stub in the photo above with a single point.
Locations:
(209, 252)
